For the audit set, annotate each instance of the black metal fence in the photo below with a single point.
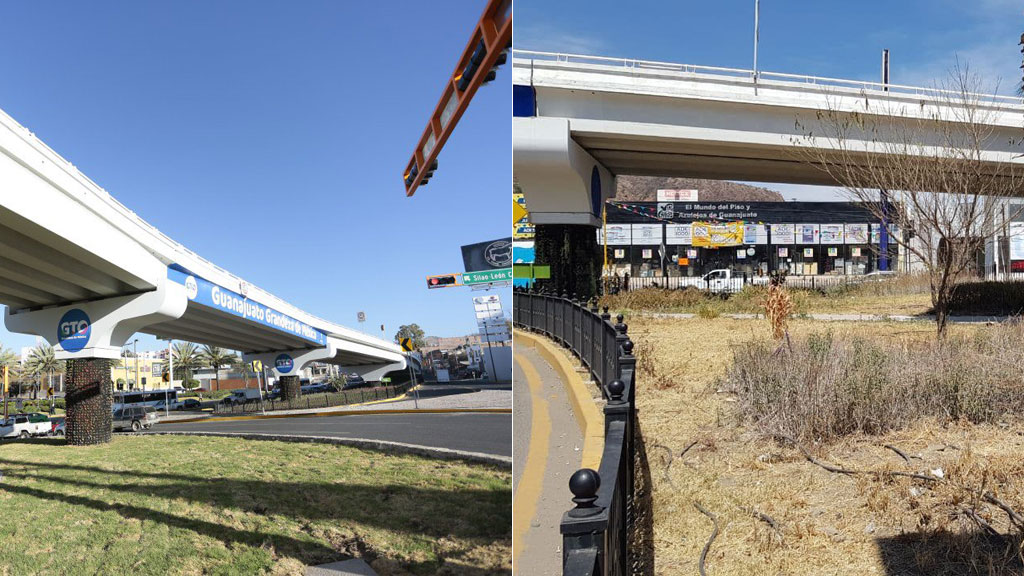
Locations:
(737, 283)
(317, 400)
(597, 530)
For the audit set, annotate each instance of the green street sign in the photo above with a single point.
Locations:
(531, 271)
(486, 277)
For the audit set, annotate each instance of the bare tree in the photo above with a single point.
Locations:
(935, 155)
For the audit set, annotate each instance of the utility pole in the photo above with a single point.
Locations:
(170, 376)
(757, 28)
(885, 70)
(135, 351)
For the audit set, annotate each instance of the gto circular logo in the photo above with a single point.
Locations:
(499, 254)
(284, 363)
(191, 287)
(73, 330)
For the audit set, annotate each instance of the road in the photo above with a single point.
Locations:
(484, 433)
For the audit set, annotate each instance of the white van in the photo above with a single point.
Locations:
(243, 395)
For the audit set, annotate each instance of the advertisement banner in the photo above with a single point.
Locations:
(876, 233)
(523, 252)
(646, 234)
(1016, 240)
(678, 234)
(831, 233)
(856, 233)
(618, 235)
(807, 233)
(490, 255)
(708, 235)
(783, 234)
(755, 234)
(666, 210)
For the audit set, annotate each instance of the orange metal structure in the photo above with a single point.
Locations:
(487, 48)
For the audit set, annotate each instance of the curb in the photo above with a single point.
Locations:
(588, 417)
(348, 413)
(365, 443)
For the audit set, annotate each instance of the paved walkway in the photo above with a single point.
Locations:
(542, 465)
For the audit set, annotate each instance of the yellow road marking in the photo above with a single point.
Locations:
(531, 482)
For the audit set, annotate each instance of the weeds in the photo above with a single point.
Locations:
(823, 387)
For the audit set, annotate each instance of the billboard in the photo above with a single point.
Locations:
(677, 196)
(678, 234)
(646, 234)
(491, 255)
(708, 235)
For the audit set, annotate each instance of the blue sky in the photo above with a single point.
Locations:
(832, 39)
(270, 137)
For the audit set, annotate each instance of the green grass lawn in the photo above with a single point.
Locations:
(174, 505)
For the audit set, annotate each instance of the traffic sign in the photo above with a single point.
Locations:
(257, 366)
(487, 276)
(385, 380)
(518, 212)
(406, 344)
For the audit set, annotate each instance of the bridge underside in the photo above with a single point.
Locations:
(39, 268)
(205, 325)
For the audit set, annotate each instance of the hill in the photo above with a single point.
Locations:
(645, 188)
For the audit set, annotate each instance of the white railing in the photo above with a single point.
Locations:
(740, 73)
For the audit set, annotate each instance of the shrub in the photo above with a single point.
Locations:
(988, 298)
(822, 387)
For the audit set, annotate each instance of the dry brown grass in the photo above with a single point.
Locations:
(824, 385)
(829, 523)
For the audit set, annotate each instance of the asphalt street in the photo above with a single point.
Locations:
(484, 433)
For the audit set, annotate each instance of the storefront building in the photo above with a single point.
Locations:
(657, 239)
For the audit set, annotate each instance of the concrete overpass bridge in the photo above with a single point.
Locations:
(581, 120)
(84, 272)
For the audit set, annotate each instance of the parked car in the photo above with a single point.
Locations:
(25, 425)
(353, 381)
(57, 426)
(134, 417)
(189, 404)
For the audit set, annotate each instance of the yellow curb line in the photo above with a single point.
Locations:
(350, 413)
(588, 417)
(531, 483)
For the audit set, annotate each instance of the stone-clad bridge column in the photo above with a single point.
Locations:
(89, 335)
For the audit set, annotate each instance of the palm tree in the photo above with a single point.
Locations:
(186, 358)
(215, 357)
(42, 361)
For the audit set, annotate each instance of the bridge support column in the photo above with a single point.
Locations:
(289, 387)
(88, 399)
(89, 335)
(573, 255)
(287, 364)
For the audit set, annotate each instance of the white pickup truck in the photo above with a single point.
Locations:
(25, 425)
(724, 280)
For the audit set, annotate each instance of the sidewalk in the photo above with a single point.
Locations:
(541, 490)
(481, 400)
